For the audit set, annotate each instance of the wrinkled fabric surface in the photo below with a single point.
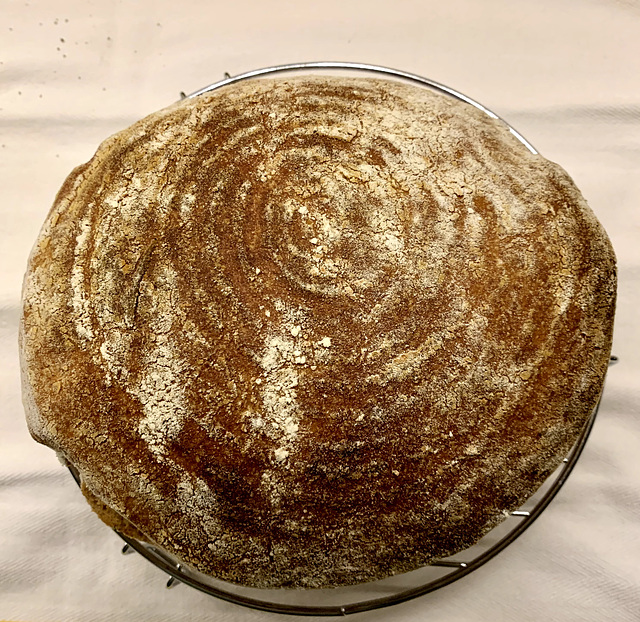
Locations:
(564, 73)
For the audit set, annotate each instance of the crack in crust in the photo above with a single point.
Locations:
(314, 332)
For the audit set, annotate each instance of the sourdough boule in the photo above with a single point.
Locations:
(315, 331)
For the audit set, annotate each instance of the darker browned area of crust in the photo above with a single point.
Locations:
(362, 501)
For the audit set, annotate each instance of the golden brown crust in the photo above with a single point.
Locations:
(314, 332)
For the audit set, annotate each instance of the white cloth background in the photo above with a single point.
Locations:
(566, 73)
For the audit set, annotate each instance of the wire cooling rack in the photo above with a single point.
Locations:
(393, 590)
(358, 67)
(377, 594)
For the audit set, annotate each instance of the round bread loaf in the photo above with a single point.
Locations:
(317, 331)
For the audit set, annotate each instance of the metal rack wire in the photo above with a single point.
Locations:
(350, 600)
(359, 67)
(394, 590)
(399, 589)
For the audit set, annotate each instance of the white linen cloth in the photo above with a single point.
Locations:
(564, 73)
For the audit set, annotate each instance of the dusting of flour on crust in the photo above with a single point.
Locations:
(159, 390)
(81, 305)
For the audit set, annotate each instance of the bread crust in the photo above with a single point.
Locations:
(314, 332)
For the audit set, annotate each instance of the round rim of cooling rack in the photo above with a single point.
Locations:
(360, 67)
(460, 567)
